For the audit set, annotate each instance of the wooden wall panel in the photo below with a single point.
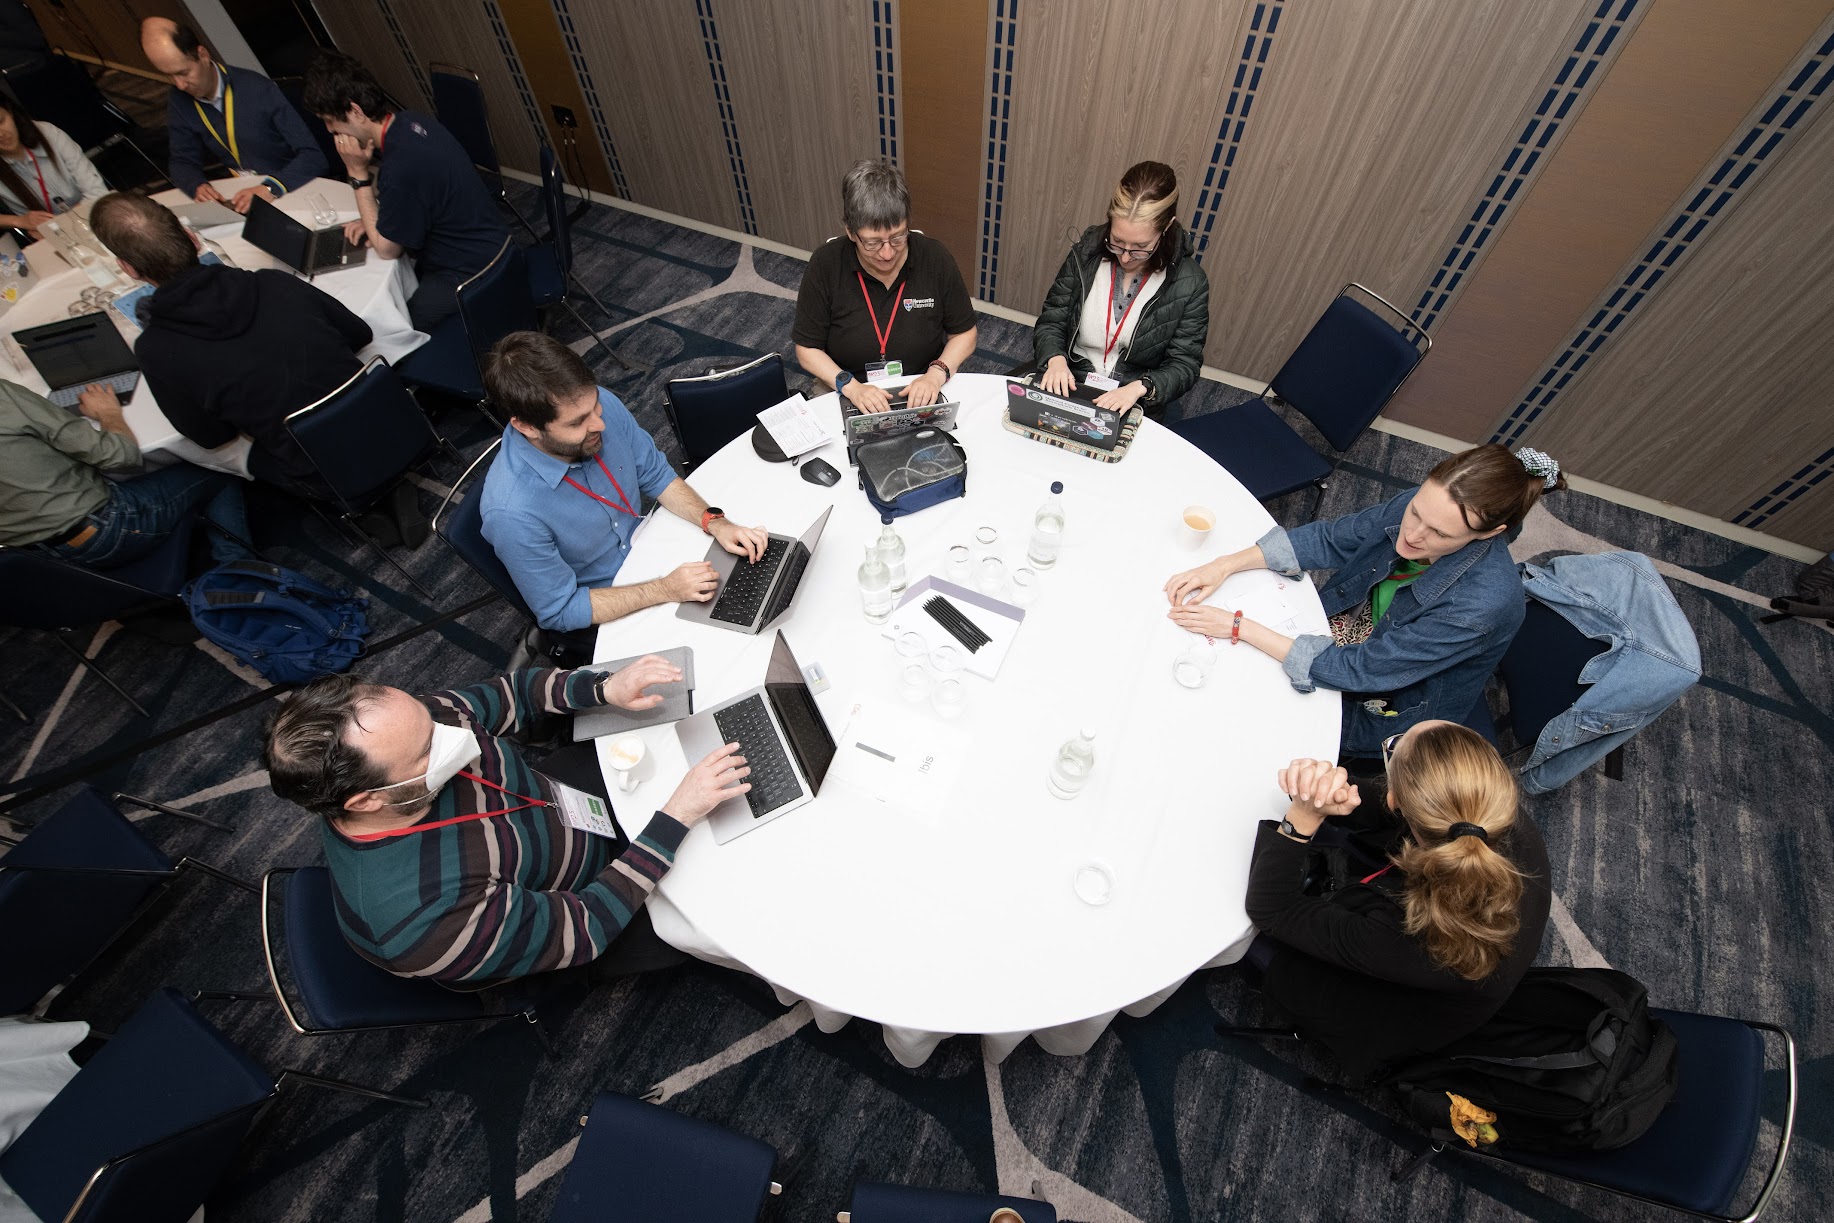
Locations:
(1097, 87)
(942, 73)
(459, 32)
(1725, 382)
(535, 30)
(105, 29)
(802, 88)
(359, 28)
(1375, 124)
(649, 64)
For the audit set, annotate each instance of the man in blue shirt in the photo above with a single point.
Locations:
(417, 191)
(231, 115)
(566, 492)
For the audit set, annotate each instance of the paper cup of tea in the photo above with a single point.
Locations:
(626, 754)
(1194, 528)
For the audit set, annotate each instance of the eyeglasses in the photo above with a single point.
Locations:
(1132, 252)
(874, 245)
(1388, 748)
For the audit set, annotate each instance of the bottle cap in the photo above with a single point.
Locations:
(886, 519)
(1057, 486)
(1088, 732)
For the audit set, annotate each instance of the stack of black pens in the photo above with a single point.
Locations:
(957, 625)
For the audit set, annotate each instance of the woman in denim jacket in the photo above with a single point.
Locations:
(1422, 595)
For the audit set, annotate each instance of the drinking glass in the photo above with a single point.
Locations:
(1193, 665)
(914, 683)
(961, 566)
(912, 645)
(948, 696)
(992, 577)
(947, 659)
(323, 214)
(1025, 587)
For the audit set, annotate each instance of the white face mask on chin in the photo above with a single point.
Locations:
(454, 748)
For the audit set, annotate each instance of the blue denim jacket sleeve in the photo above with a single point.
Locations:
(1401, 655)
(1332, 544)
(525, 545)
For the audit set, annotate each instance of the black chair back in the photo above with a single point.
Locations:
(52, 594)
(497, 301)
(363, 435)
(458, 103)
(1541, 669)
(709, 411)
(460, 522)
(554, 204)
(293, 88)
(1348, 366)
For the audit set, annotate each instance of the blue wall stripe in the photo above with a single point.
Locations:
(999, 117)
(407, 50)
(576, 52)
(1787, 492)
(507, 47)
(885, 79)
(1242, 88)
(1694, 217)
(1524, 157)
(729, 124)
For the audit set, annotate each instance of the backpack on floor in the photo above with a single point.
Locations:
(912, 471)
(283, 624)
(1573, 1062)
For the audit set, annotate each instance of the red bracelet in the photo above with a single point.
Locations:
(947, 373)
(1235, 630)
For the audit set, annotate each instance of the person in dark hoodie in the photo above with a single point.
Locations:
(226, 351)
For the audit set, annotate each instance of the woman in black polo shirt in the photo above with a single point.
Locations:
(1130, 308)
(883, 303)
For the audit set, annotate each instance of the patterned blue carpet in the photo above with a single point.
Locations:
(1705, 873)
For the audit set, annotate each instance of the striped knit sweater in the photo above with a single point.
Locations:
(488, 900)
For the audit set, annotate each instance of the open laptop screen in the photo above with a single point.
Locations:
(83, 349)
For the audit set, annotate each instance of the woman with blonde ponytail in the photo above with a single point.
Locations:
(1391, 960)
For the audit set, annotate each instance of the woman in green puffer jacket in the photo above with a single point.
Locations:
(1130, 308)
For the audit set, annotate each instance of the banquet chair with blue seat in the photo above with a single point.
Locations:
(1340, 377)
(460, 107)
(362, 438)
(492, 303)
(337, 989)
(58, 596)
(654, 1164)
(873, 1203)
(550, 261)
(1695, 1157)
(708, 411)
(78, 879)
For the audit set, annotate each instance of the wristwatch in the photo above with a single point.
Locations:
(1152, 389)
(357, 184)
(708, 516)
(1287, 830)
(840, 383)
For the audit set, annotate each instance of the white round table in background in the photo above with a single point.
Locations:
(376, 291)
(957, 913)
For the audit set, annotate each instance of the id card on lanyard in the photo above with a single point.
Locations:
(1105, 379)
(882, 370)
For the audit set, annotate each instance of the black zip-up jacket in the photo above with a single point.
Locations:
(1168, 340)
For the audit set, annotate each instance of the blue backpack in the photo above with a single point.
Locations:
(283, 624)
(912, 471)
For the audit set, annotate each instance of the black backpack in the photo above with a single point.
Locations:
(1573, 1062)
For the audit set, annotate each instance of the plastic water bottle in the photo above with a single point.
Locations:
(1070, 771)
(891, 551)
(875, 586)
(1047, 530)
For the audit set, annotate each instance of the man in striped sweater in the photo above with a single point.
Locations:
(449, 858)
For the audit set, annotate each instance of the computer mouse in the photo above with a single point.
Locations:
(822, 472)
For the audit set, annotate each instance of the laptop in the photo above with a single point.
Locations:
(206, 214)
(783, 737)
(1074, 416)
(752, 594)
(302, 248)
(902, 418)
(71, 354)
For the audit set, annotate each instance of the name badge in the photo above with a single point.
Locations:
(1100, 382)
(881, 371)
(586, 812)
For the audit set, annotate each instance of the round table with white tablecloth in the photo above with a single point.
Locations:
(948, 904)
(376, 291)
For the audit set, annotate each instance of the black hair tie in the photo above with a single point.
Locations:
(1462, 829)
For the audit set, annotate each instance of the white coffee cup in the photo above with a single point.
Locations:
(1195, 526)
(626, 754)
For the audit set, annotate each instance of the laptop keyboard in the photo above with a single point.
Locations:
(121, 383)
(773, 778)
(745, 588)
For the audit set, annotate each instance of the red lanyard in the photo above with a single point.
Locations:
(1107, 342)
(411, 829)
(41, 179)
(622, 503)
(1377, 875)
(893, 318)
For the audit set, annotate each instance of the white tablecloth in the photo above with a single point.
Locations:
(954, 911)
(34, 1066)
(376, 290)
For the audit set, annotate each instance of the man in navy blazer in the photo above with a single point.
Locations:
(231, 115)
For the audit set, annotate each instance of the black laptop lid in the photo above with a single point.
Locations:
(271, 230)
(1073, 416)
(810, 740)
(75, 351)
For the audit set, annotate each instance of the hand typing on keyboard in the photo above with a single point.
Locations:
(100, 403)
(694, 582)
(748, 542)
(720, 776)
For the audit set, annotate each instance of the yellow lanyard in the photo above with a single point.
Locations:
(229, 121)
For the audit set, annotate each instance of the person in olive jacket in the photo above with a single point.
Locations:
(1130, 308)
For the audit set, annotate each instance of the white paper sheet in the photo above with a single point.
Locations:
(794, 426)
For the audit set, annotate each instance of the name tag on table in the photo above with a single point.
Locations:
(1100, 382)
(884, 371)
(586, 812)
